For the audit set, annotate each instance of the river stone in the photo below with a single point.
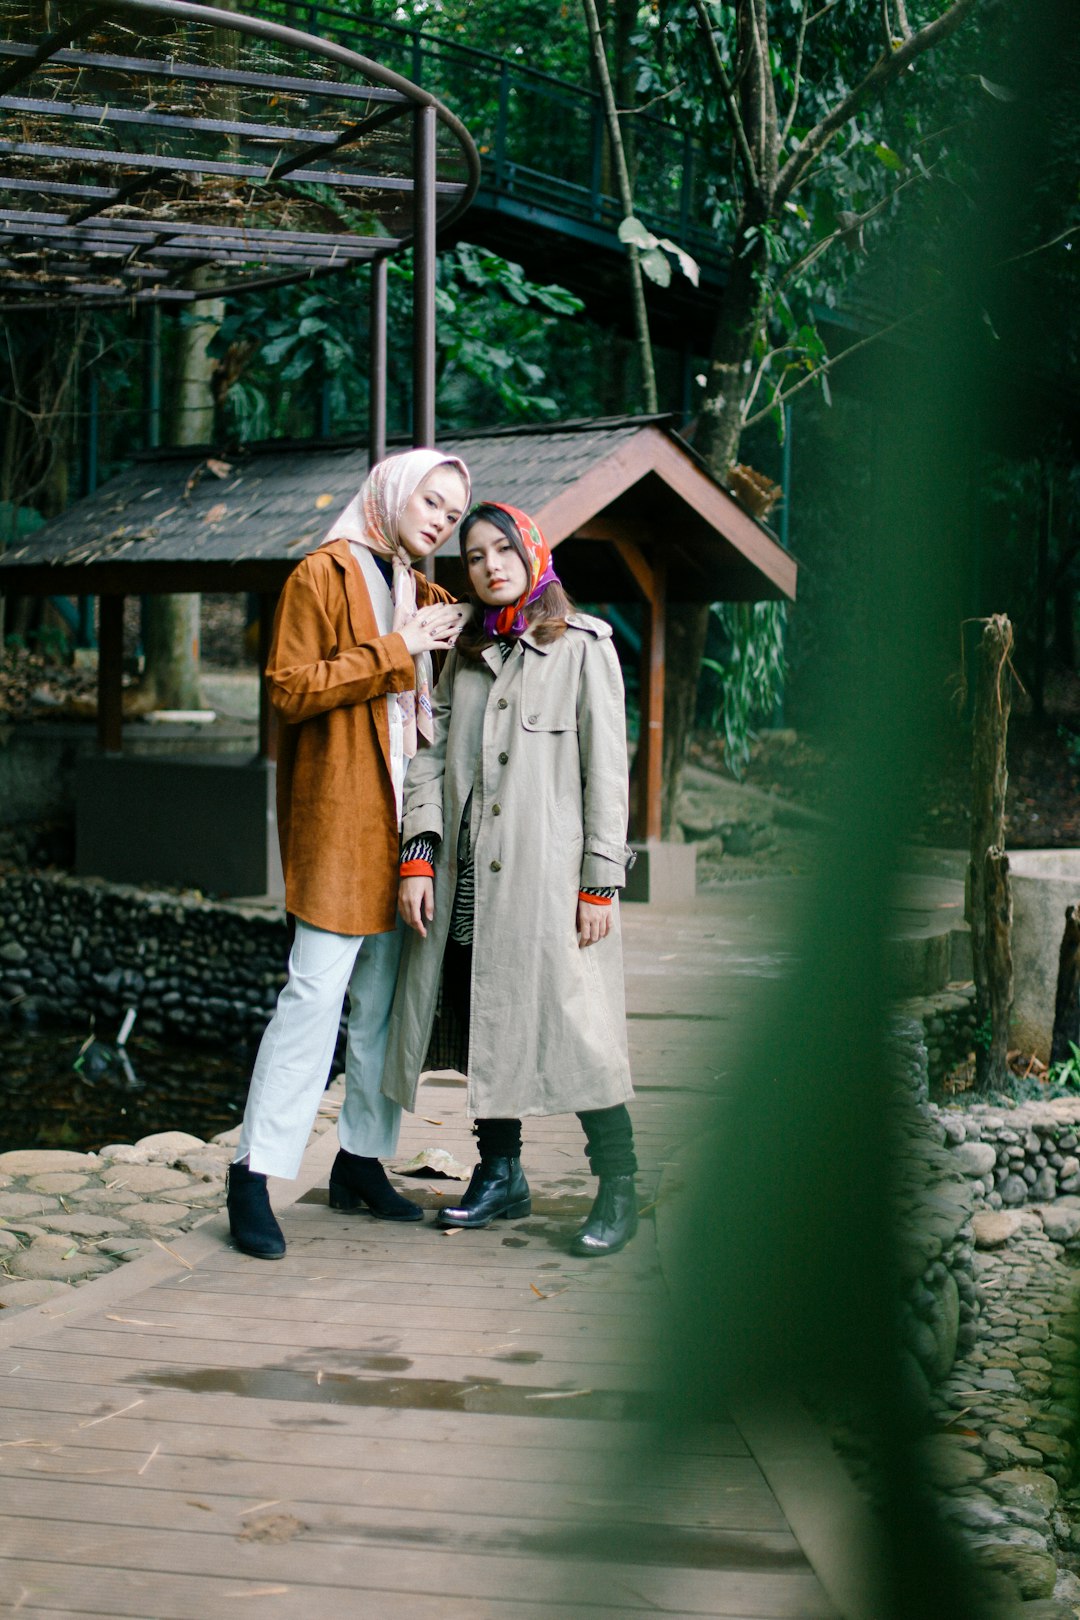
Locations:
(49, 1257)
(166, 1146)
(103, 1197)
(126, 1247)
(155, 1214)
(993, 1227)
(1013, 1190)
(8, 1241)
(943, 1321)
(1060, 1223)
(949, 1463)
(150, 1178)
(14, 1204)
(82, 1225)
(16, 1295)
(38, 1161)
(57, 1181)
(1034, 1571)
(975, 1158)
(211, 1166)
(198, 1192)
(229, 1138)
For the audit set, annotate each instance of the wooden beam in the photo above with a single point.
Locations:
(268, 732)
(608, 526)
(651, 769)
(110, 674)
(638, 566)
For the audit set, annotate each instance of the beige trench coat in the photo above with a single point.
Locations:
(549, 815)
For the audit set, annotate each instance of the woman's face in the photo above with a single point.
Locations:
(432, 510)
(496, 572)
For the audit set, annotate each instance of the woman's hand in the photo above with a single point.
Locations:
(416, 902)
(434, 629)
(593, 922)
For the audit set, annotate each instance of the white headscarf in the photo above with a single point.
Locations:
(371, 519)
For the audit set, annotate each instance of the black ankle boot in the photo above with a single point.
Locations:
(498, 1191)
(612, 1220)
(355, 1181)
(251, 1220)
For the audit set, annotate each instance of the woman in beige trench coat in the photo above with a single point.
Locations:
(514, 848)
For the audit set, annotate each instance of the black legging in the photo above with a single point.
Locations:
(609, 1140)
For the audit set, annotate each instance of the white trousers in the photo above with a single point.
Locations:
(297, 1049)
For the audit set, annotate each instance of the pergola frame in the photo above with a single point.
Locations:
(94, 254)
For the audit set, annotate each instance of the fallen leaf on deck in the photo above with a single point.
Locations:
(260, 1591)
(435, 1162)
(558, 1394)
(539, 1292)
(275, 1501)
(150, 1459)
(177, 1257)
(89, 1422)
(137, 1321)
(430, 1121)
(220, 469)
(323, 501)
(205, 1506)
(216, 513)
(274, 1527)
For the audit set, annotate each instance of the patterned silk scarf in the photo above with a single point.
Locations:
(371, 519)
(510, 620)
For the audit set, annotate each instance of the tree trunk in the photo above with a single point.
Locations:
(170, 624)
(1066, 1036)
(989, 909)
(992, 1060)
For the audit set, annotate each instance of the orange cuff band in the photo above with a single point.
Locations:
(417, 869)
(595, 899)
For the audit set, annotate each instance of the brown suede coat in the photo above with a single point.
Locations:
(328, 673)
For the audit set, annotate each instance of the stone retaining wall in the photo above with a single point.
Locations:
(193, 969)
(948, 1021)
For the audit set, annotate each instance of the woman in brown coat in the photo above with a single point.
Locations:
(349, 675)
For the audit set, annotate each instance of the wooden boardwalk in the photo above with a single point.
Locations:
(394, 1422)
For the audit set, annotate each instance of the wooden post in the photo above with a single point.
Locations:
(1066, 1034)
(110, 674)
(989, 905)
(651, 581)
(268, 601)
(654, 759)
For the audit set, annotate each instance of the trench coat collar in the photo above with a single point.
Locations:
(577, 621)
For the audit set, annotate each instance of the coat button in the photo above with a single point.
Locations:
(533, 718)
(496, 866)
(496, 809)
(504, 759)
(502, 703)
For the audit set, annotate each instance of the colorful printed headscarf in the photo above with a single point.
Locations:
(371, 519)
(510, 620)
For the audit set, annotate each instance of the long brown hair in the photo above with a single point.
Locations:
(546, 617)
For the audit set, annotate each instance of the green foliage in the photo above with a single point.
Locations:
(1066, 1074)
(751, 676)
(493, 332)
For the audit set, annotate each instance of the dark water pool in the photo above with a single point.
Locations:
(45, 1102)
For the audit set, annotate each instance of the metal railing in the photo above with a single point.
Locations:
(541, 139)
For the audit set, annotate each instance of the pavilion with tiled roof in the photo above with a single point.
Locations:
(632, 510)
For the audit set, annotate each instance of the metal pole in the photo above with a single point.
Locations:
(152, 377)
(377, 345)
(423, 422)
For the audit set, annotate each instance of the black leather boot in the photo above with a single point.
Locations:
(612, 1220)
(498, 1191)
(251, 1220)
(355, 1181)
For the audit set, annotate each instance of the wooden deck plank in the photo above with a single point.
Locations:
(436, 1572)
(419, 1508)
(119, 1595)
